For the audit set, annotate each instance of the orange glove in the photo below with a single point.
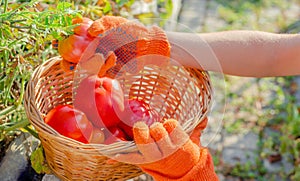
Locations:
(72, 47)
(105, 23)
(167, 153)
(130, 41)
(96, 64)
(196, 134)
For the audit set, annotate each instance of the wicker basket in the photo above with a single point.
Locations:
(181, 93)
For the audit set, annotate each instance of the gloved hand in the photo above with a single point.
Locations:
(133, 44)
(167, 153)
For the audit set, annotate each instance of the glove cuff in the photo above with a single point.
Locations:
(154, 42)
(202, 171)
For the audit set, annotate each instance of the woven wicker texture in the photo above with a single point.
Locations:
(175, 92)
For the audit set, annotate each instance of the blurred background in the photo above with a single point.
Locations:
(259, 136)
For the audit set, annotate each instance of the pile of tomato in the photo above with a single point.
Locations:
(99, 113)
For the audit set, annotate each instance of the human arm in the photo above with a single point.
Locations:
(241, 53)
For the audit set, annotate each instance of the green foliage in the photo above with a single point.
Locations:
(26, 34)
(293, 28)
(166, 7)
(284, 140)
(290, 139)
(38, 161)
(250, 13)
(107, 7)
(296, 176)
(247, 171)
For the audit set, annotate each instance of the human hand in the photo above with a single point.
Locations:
(133, 44)
(167, 153)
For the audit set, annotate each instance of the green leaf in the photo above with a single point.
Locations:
(296, 176)
(130, 3)
(107, 7)
(38, 161)
(63, 5)
(2, 136)
(121, 2)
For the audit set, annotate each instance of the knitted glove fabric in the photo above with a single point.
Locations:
(196, 134)
(105, 23)
(133, 44)
(96, 64)
(167, 153)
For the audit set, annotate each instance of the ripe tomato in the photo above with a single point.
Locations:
(114, 134)
(101, 99)
(73, 47)
(137, 110)
(70, 122)
(83, 26)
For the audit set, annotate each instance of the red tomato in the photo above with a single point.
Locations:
(101, 99)
(72, 47)
(137, 110)
(70, 122)
(115, 134)
(83, 26)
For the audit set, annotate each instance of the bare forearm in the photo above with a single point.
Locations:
(242, 53)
